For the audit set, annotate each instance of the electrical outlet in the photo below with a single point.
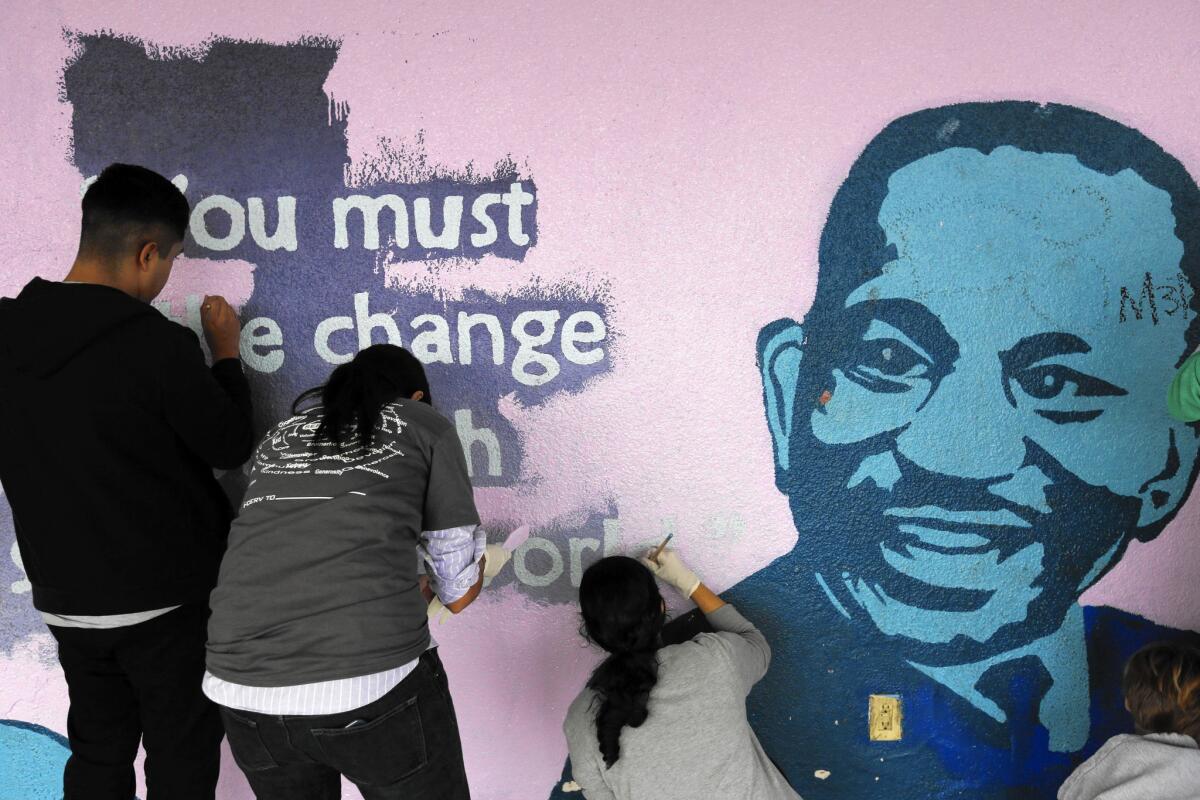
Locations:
(884, 718)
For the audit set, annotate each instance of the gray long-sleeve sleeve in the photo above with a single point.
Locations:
(742, 643)
(587, 769)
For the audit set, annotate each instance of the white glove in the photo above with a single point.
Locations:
(670, 569)
(438, 612)
(494, 560)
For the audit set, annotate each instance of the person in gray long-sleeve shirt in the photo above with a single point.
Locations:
(667, 722)
(1161, 762)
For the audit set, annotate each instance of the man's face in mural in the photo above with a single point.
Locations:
(971, 439)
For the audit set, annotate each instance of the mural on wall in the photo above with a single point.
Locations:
(978, 307)
(326, 245)
(970, 427)
(31, 761)
(303, 216)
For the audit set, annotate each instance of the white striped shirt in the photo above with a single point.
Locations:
(453, 556)
(323, 697)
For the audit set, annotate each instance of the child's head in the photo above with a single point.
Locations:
(1162, 689)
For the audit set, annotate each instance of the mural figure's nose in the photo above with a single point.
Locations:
(966, 429)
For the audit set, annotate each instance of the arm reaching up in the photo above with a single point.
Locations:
(209, 409)
(743, 644)
(669, 568)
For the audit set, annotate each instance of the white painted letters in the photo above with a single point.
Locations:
(237, 223)
(284, 237)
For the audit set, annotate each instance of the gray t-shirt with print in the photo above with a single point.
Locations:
(319, 581)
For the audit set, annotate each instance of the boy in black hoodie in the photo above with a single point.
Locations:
(111, 426)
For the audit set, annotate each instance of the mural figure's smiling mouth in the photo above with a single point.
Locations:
(946, 560)
(940, 530)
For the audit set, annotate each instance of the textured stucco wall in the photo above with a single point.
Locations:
(679, 163)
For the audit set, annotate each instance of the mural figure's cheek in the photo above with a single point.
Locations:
(879, 468)
(1117, 450)
(853, 413)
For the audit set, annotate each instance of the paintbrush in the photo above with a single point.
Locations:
(658, 550)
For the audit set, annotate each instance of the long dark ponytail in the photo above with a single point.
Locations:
(623, 613)
(357, 391)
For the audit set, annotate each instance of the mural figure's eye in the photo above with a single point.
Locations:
(1049, 381)
(1067, 389)
(890, 357)
(887, 365)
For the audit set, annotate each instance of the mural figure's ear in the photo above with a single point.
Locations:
(1163, 494)
(780, 349)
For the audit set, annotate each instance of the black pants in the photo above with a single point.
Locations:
(140, 682)
(404, 746)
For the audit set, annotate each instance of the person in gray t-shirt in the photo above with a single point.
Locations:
(667, 723)
(319, 651)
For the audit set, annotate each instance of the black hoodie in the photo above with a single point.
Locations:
(110, 427)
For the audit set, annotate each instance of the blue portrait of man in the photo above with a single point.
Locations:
(970, 425)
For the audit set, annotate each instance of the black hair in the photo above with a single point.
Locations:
(126, 203)
(623, 613)
(854, 248)
(356, 392)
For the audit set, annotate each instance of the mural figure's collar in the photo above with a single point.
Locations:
(1063, 710)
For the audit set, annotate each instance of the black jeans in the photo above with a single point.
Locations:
(140, 682)
(404, 746)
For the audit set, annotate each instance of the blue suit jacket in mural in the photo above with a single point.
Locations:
(810, 711)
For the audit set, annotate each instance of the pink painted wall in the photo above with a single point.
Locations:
(685, 157)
